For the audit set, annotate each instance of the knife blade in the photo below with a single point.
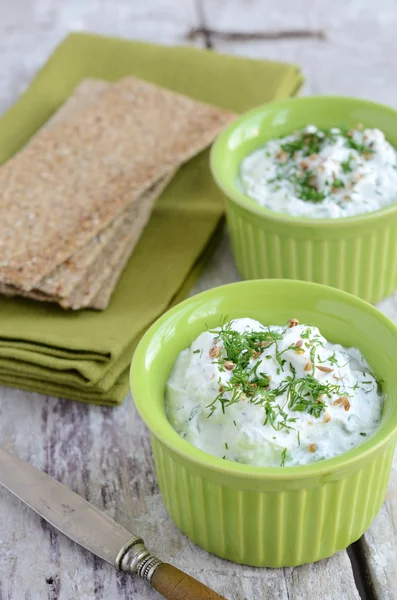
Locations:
(94, 530)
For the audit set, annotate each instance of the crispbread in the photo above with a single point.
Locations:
(86, 92)
(104, 273)
(75, 275)
(101, 300)
(69, 274)
(134, 134)
(97, 266)
(111, 261)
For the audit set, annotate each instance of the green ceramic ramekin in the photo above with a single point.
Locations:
(271, 516)
(356, 254)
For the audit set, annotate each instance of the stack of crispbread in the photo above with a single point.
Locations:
(75, 200)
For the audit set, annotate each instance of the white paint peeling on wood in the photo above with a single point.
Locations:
(104, 454)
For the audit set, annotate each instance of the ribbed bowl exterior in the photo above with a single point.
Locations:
(269, 516)
(360, 259)
(276, 526)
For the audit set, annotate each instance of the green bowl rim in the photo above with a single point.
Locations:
(187, 451)
(231, 190)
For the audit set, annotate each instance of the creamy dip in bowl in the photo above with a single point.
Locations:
(323, 173)
(322, 206)
(247, 511)
(272, 396)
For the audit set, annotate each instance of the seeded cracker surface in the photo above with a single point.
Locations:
(97, 265)
(88, 278)
(101, 278)
(108, 263)
(69, 274)
(103, 296)
(49, 209)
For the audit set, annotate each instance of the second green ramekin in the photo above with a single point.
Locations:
(356, 254)
(269, 516)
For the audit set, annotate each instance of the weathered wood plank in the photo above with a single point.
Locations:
(356, 59)
(30, 30)
(379, 544)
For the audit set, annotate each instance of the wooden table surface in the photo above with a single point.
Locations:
(104, 454)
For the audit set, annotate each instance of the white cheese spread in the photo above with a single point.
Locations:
(323, 173)
(272, 396)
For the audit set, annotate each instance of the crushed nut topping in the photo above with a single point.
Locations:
(343, 401)
(215, 352)
(282, 156)
(229, 365)
(293, 323)
(324, 369)
(312, 447)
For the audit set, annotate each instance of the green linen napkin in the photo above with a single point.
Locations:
(85, 355)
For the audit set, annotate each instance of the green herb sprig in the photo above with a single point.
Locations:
(304, 394)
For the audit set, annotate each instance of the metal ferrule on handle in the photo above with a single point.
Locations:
(134, 557)
(169, 581)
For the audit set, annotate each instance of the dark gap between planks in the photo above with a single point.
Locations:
(361, 573)
(246, 36)
(202, 27)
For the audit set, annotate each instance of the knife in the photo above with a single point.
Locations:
(94, 530)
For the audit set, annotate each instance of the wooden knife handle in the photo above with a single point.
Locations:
(173, 584)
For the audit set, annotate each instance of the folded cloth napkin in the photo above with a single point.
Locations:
(85, 355)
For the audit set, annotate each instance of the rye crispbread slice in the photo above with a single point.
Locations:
(75, 178)
(69, 274)
(103, 275)
(98, 265)
(83, 274)
(89, 277)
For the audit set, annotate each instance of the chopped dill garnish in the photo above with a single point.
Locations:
(313, 358)
(379, 382)
(283, 457)
(248, 383)
(226, 446)
(197, 351)
(351, 143)
(243, 357)
(338, 183)
(346, 164)
(331, 359)
(240, 347)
